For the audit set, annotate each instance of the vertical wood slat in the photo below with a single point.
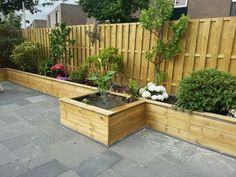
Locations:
(217, 48)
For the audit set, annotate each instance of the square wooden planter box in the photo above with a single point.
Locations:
(105, 126)
(210, 130)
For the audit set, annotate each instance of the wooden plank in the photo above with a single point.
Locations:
(204, 45)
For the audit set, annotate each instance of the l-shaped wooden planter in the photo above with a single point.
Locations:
(107, 126)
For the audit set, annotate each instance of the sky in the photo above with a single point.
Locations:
(45, 10)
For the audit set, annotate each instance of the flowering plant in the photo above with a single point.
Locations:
(58, 70)
(154, 92)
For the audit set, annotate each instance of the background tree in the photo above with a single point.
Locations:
(155, 19)
(9, 36)
(7, 6)
(113, 10)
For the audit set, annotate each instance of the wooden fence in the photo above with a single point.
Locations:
(209, 43)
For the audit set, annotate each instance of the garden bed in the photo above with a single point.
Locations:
(48, 85)
(206, 129)
(105, 126)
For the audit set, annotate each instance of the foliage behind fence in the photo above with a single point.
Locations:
(209, 43)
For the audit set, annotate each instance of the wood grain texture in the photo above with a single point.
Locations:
(50, 86)
(3, 74)
(105, 126)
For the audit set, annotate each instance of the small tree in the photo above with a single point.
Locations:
(155, 19)
(59, 43)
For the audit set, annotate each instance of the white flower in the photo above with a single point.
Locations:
(165, 95)
(160, 97)
(150, 83)
(146, 94)
(151, 87)
(163, 89)
(141, 91)
(154, 97)
(158, 88)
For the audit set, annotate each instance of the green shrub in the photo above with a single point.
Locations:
(80, 74)
(10, 35)
(207, 90)
(26, 56)
(44, 67)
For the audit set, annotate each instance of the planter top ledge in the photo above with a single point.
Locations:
(204, 114)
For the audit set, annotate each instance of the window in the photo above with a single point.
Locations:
(57, 17)
(233, 8)
(181, 3)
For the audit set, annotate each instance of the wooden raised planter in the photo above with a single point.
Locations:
(210, 130)
(105, 126)
(108, 126)
(3, 74)
(48, 85)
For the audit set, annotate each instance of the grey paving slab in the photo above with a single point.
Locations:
(109, 173)
(72, 152)
(49, 169)
(211, 164)
(39, 98)
(128, 168)
(180, 154)
(13, 169)
(142, 148)
(166, 168)
(69, 173)
(98, 164)
(6, 157)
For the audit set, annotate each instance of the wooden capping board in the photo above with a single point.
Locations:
(210, 130)
(50, 86)
(105, 126)
(3, 74)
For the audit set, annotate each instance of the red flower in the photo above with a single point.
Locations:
(58, 67)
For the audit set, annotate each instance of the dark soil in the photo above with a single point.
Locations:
(97, 100)
(171, 100)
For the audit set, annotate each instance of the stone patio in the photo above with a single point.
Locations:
(34, 144)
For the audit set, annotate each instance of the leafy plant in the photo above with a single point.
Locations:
(44, 67)
(102, 81)
(108, 60)
(80, 74)
(59, 43)
(102, 67)
(155, 19)
(207, 90)
(26, 56)
(133, 90)
(113, 10)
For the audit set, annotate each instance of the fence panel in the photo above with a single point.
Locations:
(209, 43)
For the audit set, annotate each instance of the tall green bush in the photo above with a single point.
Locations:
(26, 56)
(207, 90)
(10, 35)
(59, 44)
